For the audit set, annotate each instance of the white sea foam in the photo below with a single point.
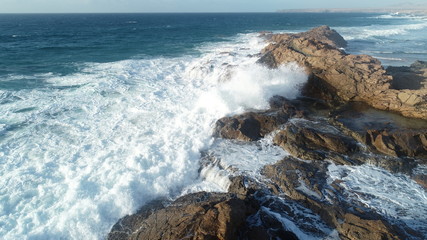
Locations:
(290, 225)
(235, 158)
(388, 58)
(397, 15)
(395, 196)
(247, 158)
(368, 32)
(94, 146)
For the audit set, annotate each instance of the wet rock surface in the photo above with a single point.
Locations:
(252, 126)
(399, 143)
(294, 191)
(421, 179)
(314, 140)
(201, 216)
(195, 216)
(249, 126)
(306, 183)
(384, 132)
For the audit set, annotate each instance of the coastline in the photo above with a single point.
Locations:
(134, 128)
(327, 133)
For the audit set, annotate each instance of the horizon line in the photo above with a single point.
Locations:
(294, 10)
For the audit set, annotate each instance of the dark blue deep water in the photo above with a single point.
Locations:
(58, 43)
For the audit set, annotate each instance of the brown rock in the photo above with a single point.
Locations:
(245, 186)
(243, 127)
(355, 228)
(305, 182)
(252, 126)
(399, 143)
(340, 77)
(350, 77)
(392, 164)
(421, 179)
(195, 216)
(292, 176)
(382, 131)
(128, 225)
(409, 103)
(323, 34)
(314, 140)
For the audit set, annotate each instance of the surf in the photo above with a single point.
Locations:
(104, 141)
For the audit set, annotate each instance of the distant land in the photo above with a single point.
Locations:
(417, 11)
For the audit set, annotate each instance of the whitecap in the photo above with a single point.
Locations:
(130, 132)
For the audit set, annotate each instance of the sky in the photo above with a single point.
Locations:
(94, 6)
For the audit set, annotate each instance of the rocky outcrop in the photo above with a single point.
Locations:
(409, 103)
(340, 77)
(315, 141)
(249, 126)
(201, 216)
(322, 33)
(383, 132)
(252, 126)
(195, 216)
(349, 77)
(306, 183)
(339, 131)
(398, 143)
(334, 123)
(343, 135)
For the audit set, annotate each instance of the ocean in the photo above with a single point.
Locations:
(101, 113)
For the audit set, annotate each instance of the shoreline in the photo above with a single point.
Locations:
(114, 135)
(327, 131)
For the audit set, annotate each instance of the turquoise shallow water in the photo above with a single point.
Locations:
(100, 113)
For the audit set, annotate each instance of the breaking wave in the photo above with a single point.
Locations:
(80, 151)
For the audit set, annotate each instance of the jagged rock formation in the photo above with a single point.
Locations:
(196, 216)
(339, 77)
(315, 141)
(341, 130)
(201, 216)
(351, 221)
(383, 132)
(305, 182)
(252, 126)
(245, 212)
(334, 139)
(334, 123)
(323, 34)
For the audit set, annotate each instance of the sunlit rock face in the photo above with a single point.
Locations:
(344, 77)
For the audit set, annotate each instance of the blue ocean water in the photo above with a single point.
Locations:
(59, 43)
(100, 113)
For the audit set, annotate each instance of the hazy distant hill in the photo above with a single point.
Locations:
(394, 9)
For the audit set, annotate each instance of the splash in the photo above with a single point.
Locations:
(80, 151)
